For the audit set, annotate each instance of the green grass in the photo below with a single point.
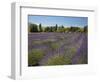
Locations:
(35, 56)
(58, 60)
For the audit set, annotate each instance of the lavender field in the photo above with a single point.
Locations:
(55, 48)
(57, 40)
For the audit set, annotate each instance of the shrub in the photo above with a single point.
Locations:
(35, 56)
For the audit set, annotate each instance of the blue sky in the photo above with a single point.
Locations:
(60, 20)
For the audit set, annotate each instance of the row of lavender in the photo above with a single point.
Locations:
(57, 48)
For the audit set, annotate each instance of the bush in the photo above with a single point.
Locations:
(58, 60)
(35, 56)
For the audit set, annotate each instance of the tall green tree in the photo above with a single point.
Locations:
(40, 27)
(56, 27)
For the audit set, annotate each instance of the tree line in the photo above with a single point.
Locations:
(56, 28)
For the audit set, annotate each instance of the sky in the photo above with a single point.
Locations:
(59, 20)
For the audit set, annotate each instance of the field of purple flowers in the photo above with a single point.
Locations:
(52, 48)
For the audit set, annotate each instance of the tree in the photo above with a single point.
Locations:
(62, 27)
(51, 29)
(47, 29)
(33, 28)
(56, 27)
(74, 29)
(85, 28)
(40, 28)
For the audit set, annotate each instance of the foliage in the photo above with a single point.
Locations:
(35, 56)
(33, 28)
(74, 29)
(61, 29)
(58, 60)
(54, 45)
(40, 27)
(56, 28)
(85, 28)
